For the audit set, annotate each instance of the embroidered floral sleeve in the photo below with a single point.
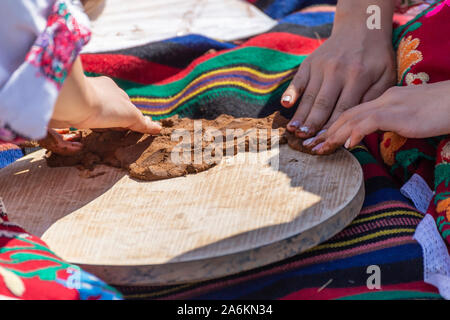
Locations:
(58, 46)
(28, 97)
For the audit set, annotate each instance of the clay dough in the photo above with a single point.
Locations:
(149, 157)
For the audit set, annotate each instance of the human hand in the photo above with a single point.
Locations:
(106, 106)
(92, 103)
(354, 65)
(420, 111)
(61, 141)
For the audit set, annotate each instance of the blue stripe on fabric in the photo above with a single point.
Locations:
(384, 256)
(382, 195)
(280, 8)
(310, 19)
(198, 41)
(9, 156)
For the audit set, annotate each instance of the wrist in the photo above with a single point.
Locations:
(91, 96)
(89, 105)
(77, 100)
(352, 19)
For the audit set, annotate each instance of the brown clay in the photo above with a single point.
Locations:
(149, 158)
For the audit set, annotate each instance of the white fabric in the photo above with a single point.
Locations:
(436, 259)
(124, 24)
(418, 191)
(21, 22)
(26, 100)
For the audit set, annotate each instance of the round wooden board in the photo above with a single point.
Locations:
(248, 211)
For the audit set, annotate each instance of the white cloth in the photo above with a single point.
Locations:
(27, 97)
(418, 191)
(436, 260)
(129, 23)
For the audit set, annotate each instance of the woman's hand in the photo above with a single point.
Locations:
(86, 103)
(420, 111)
(61, 141)
(354, 65)
(110, 108)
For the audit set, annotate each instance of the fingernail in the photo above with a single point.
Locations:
(71, 136)
(321, 132)
(287, 99)
(304, 129)
(317, 148)
(347, 143)
(294, 124)
(307, 142)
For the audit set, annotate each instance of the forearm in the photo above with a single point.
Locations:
(76, 98)
(351, 18)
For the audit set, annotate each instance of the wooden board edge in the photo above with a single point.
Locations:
(201, 270)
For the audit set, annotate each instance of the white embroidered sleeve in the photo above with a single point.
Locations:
(40, 40)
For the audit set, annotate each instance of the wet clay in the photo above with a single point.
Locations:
(150, 158)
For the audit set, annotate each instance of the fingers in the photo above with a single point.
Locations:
(310, 143)
(350, 134)
(353, 114)
(319, 110)
(343, 116)
(322, 108)
(67, 135)
(306, 103)
(56, 143)
(296, 87)
(350, 97)
(145, 125)
(351, 127)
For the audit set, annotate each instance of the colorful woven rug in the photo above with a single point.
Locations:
(199, 77)
(9, 153)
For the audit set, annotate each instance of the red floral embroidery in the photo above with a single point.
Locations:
(57, 47)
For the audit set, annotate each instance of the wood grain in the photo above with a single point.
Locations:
(241, 214)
